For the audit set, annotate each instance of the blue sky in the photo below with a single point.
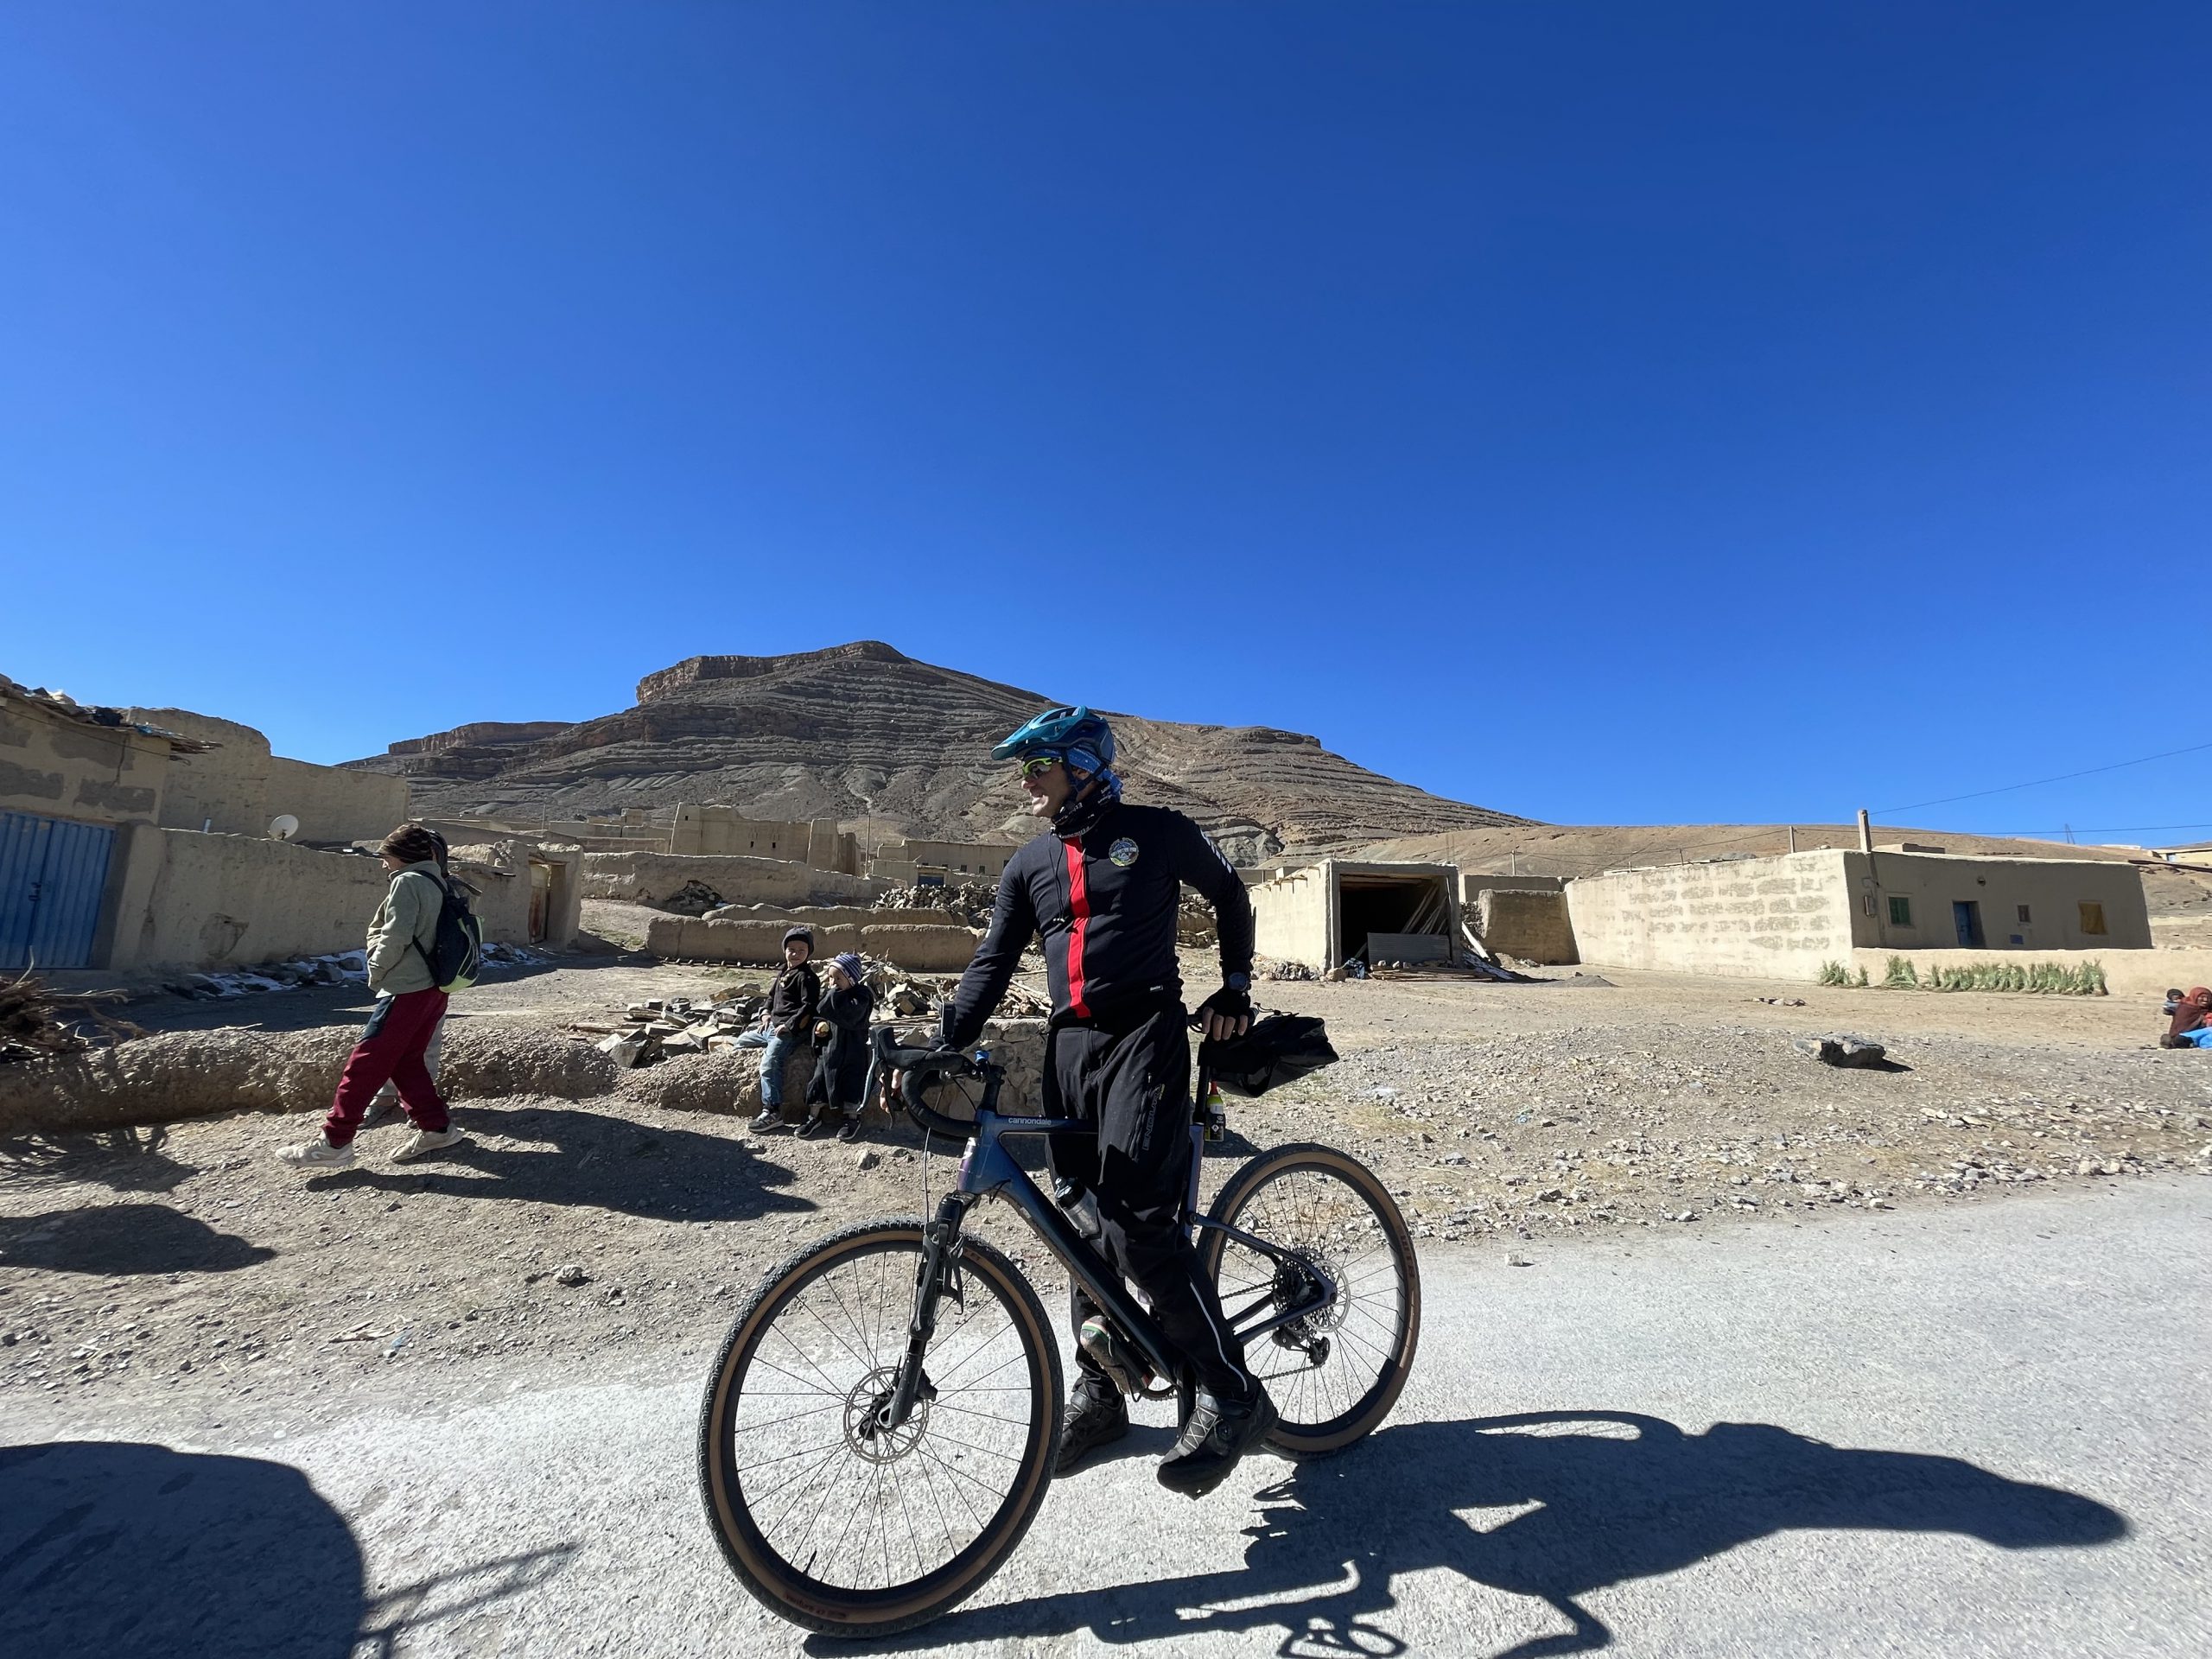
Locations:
(1611, 413)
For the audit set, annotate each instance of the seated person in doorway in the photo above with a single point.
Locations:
(788, 1022)
(2191, 1025)
(841, 1063)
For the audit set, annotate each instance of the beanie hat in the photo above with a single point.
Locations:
(851, 963)
(803, 935)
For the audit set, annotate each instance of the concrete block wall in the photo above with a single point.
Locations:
(1762, 918)
(1531, 924)
(1290, 917)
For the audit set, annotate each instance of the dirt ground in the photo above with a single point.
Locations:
(1506, 1118)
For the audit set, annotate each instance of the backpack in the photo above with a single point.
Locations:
(456, 954)
(1277, 1049)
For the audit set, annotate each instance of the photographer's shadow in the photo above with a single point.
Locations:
(1602, 1497)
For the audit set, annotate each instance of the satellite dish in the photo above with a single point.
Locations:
(283, 826)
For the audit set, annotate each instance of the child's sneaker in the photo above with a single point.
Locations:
(316, 1155)
(385, 1109)
(425, 1141)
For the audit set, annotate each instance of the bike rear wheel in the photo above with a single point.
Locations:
(1334, 1373)
(828, 1521)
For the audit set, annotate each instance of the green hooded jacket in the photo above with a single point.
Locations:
(408, 917)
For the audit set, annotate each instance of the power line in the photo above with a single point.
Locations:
(2033, 783)
(2104, 830)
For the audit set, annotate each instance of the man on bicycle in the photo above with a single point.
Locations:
(1103, 887)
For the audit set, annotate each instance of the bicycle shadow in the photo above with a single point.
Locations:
(1601, 1498)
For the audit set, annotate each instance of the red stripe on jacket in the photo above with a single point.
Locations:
(1079, 908)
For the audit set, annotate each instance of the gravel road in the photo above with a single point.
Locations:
(1959, 1429)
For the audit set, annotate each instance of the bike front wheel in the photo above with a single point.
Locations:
(1335, 1371)
(832, 1523)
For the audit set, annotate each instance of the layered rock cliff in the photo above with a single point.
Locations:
(865, 733)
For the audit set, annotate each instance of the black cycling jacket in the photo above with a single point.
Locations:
(1105, 902)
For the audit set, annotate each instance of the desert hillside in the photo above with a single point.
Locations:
(866, 735)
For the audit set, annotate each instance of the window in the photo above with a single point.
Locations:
(1900, 911)
(2093, 918)
(2025, 917)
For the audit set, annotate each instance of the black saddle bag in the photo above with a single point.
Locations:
(1278, 1049)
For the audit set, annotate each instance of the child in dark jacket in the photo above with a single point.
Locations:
(841, 1064)
(789, 1022)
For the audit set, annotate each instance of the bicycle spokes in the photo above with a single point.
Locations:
(1337, 1271)
(836, 1492)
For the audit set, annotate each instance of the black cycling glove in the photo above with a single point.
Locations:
(1233, 1000)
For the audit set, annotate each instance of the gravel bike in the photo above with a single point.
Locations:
(879, 1429)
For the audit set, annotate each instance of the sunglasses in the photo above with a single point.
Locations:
(1038, 765)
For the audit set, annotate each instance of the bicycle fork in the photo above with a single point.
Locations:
(939, 1271)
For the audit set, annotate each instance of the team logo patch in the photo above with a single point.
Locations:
(1122, 853)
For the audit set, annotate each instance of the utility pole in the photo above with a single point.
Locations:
(1793, 837)
(1865, 832)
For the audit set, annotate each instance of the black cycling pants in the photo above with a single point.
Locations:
(1132, 1079)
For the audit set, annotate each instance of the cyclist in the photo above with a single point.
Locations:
(1103, 887)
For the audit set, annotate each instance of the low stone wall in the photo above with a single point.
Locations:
(924, 949)
(178, 1075)
(648, 878)
(832, 915)
(1528, 923)
(2127, 973)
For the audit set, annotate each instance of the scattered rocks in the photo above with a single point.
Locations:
(571, 1274)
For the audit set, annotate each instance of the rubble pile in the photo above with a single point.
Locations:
(694, 898)
(971, 901)
(1266, 968)
(1194, 926)
(35, 1021)
(663, 1028)
(901, 997)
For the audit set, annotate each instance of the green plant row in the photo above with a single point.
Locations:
(2041, 978)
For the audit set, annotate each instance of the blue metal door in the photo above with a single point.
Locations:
(52, 876)
(1966, 915)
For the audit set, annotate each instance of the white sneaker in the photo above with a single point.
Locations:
(383, 1110)
(317, 1154)
(423, 1142)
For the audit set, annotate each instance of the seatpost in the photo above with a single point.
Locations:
(1209, 1121)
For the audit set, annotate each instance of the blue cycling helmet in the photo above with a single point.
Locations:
(1075, 735)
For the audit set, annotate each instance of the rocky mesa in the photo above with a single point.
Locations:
(865, 733)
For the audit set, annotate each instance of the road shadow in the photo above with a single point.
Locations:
(123, 1550)
(126, 1160)
(455, 1599)
(123, 1238)
(581, 1157)
(1592, 1499)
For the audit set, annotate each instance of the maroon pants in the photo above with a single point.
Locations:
(391, 1050)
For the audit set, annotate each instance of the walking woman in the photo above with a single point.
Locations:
(409, 1007)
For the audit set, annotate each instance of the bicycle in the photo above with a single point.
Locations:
(880, 1426)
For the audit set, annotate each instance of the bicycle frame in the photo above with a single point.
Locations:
(987, 1168)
